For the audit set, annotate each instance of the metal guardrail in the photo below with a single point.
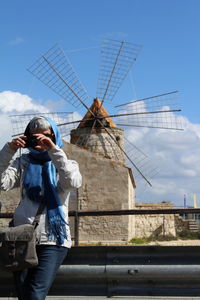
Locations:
(124, 271)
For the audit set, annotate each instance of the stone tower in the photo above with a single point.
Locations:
(92, 136)
(108, 184)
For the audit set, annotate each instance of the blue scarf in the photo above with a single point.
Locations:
(40, 182)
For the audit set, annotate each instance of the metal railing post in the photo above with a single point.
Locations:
(76, 229)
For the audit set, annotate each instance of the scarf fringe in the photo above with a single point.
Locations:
(57, 229)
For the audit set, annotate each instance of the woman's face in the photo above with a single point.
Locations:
(44, 139)
(46, 132)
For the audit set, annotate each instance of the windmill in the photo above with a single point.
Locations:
(97, 131)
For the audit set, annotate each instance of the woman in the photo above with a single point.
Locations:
(45, 175)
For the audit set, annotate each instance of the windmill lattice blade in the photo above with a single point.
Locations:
(141, 160)
(19, 122)
(154, 112)
(117, 58)
(55, 71)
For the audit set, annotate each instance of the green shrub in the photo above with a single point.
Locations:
(99, 244)
(161, 238)
(189, 235)
(138, 241)
(146, 240)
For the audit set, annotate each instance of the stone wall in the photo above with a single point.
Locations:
(107, 185)
(8, 203)
(154, 225)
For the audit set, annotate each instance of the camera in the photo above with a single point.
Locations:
(31, 142)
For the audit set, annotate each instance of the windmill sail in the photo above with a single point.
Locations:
(158, 111)
(117, 58)
(65, 121)
(55, 71)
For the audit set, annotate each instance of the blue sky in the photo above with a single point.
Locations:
(167, 30)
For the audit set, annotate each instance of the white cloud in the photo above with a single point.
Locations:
(6, 130)
(176, 153)
(14, 103)
(16, 41)
(17, 104)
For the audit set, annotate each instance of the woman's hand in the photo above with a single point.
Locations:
(44, 143)
(17, 143)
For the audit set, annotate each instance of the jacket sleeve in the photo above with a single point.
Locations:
(9, 169)
(68, 170)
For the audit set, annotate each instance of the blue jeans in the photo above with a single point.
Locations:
(34, 283)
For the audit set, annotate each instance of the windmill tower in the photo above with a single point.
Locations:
(108, 183)
(94, 137)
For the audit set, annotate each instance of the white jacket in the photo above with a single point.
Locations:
(12, 174)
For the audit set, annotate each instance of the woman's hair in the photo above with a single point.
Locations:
(37, 123)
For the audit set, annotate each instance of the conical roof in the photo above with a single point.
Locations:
(96, 109)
